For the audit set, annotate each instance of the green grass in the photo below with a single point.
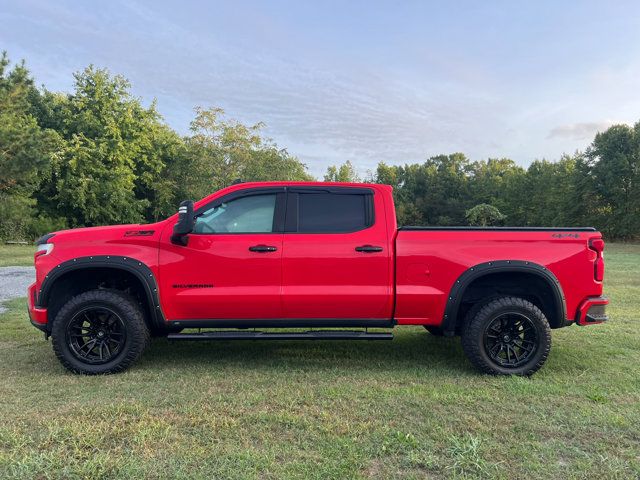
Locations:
(16, 255)
(410, 408)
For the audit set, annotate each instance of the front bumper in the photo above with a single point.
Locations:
(592, 311)
(38, 316)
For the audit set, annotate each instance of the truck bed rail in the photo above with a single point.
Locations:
(504, 229)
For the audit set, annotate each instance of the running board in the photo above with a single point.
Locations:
(309, 335)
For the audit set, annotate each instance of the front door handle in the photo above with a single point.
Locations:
(368, 248)
(263, 248)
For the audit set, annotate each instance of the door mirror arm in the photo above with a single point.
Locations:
(184, 226)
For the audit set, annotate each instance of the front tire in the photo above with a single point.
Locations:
(507, 336)
(98, 332)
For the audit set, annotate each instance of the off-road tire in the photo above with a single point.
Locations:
(478, 321)
(137, 335)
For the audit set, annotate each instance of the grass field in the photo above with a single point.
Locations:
(16, 255)
(411, 408)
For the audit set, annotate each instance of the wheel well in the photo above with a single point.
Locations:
(77, 281)
(529, 286)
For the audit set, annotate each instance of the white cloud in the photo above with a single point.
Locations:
(580, 131)
(338, 98)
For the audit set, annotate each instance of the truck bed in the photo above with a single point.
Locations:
(431, 261)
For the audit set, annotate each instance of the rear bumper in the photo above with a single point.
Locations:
(592, 311)
(38, 316)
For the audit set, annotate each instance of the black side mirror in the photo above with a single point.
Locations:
(186, 221)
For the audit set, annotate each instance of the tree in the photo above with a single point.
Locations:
(539, 195)
(484, 215)
(158, 185)
(612, 168)
(406, 211)
(220, 151)
(433, 193)
(111, 159)
(498, 182)
(26, 150)
(344, 173)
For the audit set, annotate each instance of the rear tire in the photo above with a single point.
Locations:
(98, 332)
(507, 336)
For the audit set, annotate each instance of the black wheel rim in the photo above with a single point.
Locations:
(511, 339)
(96, 335)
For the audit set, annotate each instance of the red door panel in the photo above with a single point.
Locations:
(324, 277)
(231, 267)
(218, 277)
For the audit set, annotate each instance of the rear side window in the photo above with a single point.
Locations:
(333, 212)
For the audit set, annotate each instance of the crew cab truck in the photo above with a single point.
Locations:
(325, 259)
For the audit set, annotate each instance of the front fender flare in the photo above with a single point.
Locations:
(139, 269)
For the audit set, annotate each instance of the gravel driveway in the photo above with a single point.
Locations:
(14, 282)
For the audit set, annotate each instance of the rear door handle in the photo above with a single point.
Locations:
(263, 248)
(368, 248)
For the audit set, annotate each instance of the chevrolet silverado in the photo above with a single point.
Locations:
(324, 259)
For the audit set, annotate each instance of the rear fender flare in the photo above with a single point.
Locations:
(458, 289)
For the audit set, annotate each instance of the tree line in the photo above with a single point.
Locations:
(598, 187)
(97, 155)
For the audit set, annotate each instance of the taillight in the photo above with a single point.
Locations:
(597, 245)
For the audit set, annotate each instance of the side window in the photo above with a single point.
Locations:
(333, 212)
(252, 214)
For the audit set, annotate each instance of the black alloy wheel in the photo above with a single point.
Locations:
(96, 335)
(510, 339)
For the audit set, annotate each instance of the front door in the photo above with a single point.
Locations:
(232, 265)
(336, 261)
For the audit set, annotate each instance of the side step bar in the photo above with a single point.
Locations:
(309, 335)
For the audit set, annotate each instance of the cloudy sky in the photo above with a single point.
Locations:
(364, 81)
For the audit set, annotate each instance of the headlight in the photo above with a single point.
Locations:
(43, 249)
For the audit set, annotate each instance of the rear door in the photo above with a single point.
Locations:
(336, 258)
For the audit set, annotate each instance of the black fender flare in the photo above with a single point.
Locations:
(131, 265)
(456, 294)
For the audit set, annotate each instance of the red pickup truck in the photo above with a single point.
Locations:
(326, 257)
